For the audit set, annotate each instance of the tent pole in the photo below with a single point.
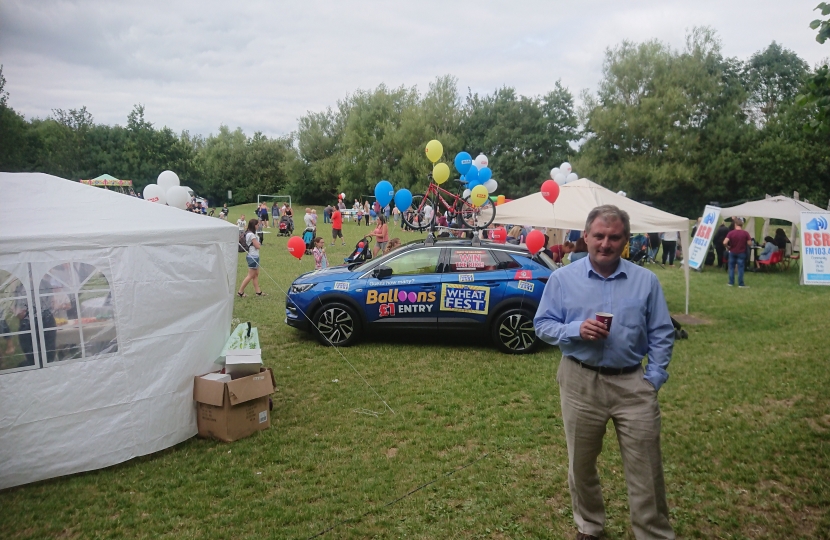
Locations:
(684, 242)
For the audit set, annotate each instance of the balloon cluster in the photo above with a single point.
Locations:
(563, 174)
(385, 193)
(341, 197)
(477, 176)
(167, 190)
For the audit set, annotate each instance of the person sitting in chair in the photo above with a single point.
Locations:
(769, 249)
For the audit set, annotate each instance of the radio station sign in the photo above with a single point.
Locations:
(703, 237)
(815, 247)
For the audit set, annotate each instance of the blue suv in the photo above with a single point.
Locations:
(445, 285)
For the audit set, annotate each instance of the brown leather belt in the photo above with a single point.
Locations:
(602, 370)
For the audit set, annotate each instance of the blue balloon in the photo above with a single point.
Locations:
(384, 192)
(472, 184)
(485, 174)
(403, 199)
(472, 175)
(463, 160)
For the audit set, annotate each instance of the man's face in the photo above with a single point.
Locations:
(606, 241)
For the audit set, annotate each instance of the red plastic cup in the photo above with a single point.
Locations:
(605, 318)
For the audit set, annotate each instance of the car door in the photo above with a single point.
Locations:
(471, 285)
(409, 297)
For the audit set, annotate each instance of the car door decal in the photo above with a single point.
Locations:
(465, 298)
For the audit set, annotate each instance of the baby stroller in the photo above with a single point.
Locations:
(308, 238)
(286, 226)
(638, 250)
(362, 251)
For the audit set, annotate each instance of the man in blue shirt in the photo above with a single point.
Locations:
(601, 377)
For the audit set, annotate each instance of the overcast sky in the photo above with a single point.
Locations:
(260, 65)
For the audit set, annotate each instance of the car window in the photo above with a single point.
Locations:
(471, 260)
(420, 261)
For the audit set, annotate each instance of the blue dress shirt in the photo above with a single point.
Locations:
(641, 325)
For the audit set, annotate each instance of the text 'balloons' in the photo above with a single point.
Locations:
(535, 241)
(384, 192)
(498, 235)
(167, 179)
(440, 173)
(550, 191)
(463, 160)
(296, 246)
(434, 150)
(478, 195)
(403, 199)
(178, 196)
(154, 193)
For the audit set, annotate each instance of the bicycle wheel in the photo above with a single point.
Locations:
(480, 217)
(415, 215)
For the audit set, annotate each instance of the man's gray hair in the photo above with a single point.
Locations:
(609, 213)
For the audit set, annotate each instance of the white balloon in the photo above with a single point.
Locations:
(343, 196)
(572, 177)
(553, 172)
(178, 196)
(465, 194)
(621, 193)
(167, 179)
(561, 179)
(491, 185)
(154, 193)
(481, 161)
(565, 168)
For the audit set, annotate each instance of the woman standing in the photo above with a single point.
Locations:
(252, 258)
(366, 212)
(381, 234)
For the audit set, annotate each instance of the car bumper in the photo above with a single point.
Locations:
(294, 317)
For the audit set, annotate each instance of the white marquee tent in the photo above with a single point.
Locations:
(780, 207)
(110, 305)
(577, 199)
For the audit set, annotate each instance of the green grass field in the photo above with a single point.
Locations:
(746, 434)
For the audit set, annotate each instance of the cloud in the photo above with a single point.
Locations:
(261, 65)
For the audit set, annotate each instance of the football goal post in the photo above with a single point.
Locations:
(261, 198)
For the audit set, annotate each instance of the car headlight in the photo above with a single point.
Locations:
(297, 289)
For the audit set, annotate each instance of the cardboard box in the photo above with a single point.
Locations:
(230, 411)
(218, 377)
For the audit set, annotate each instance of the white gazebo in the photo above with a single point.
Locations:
(577, 199)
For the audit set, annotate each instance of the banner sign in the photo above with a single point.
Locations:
(815, 247)
(703, 236)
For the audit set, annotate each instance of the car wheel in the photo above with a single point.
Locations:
(513, 332)
(337, 324)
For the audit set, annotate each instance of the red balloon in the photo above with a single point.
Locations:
(296, 246)
(535, 242)
(498, 235)
(361, 244)
(550, 191)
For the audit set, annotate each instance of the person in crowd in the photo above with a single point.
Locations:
(717, 240)
(769, 249)
(429, 213)
(337, 226)
(290, 213)
(240, 223)
(314, 218)
(223, 214)
(387, 212)
(307, 219)
(263, 215)
(559, 251)
(670, 240)
(653, 245)
(359, 215)
(356, 205)
(319, 253)
(341, 205)
(381, 234)
(393, 244)
(441, 220)
(396, 216)
(275, 214)
(580, 250)
(515, 235)
(367, 212)
(327, 214)
(574, 235)
(737, 242)
(697, 224)
(252, 258)
(601, 376)
(781, 240)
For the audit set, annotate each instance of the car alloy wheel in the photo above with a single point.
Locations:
(336, 325)
(514, 332)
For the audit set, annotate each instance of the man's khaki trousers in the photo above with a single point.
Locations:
(589, 400)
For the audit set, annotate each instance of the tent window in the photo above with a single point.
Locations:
(77, 313)
(16, 350)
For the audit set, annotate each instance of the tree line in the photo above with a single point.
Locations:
(678, 128)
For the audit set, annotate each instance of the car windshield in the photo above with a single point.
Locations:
(369, 263)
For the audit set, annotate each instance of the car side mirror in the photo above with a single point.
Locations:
(382, 272)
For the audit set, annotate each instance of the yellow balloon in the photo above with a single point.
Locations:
(440, 173)
(479, 195)
(434, 150)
